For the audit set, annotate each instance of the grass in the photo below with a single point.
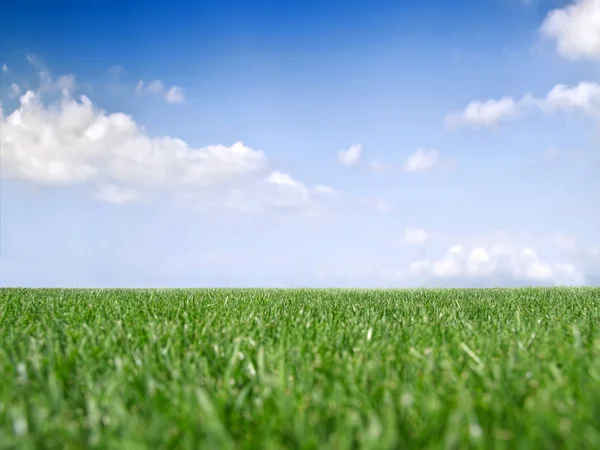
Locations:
(310, 369)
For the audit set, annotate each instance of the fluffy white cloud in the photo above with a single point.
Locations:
(351, 156)
(285, 190)
(75, 142)
(484, 113)
(172, 95)
(583, 97)
(415, 236)
(495, 261)
(421, 160)
(72, 142)
(4, 68)
(575, 29)
(500, 258)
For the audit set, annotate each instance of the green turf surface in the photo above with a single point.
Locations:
(313, 369)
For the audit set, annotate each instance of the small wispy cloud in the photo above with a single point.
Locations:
(350, 157)
(172, 95)
(14, 91)
(415, 236)
(421, 160)
(376, 204)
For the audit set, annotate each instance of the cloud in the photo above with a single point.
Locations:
(172, 95)
(325, 190)
(75, 142)
(415, 236)
(378, 166)
(495, 261)
(139, 87)
(583, 98)
(484, 113)
(575, 29)
(376, 204)
(65, 84)
(4, 68)
(14, 91)
(286, 191)
(72, 142)
(501, 258)
(116, 195)
(156, 87)
(115, 72)
(421, 160)
(34, 61)
(498, 259)
(351, 156)
(277, 191)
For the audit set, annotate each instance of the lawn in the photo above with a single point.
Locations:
(310, 369)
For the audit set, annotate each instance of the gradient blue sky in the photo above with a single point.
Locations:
(466, 164)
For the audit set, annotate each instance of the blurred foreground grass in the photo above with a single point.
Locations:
(311, 369)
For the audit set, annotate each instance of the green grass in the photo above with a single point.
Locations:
(311, 369)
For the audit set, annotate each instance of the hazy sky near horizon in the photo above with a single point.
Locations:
(288, 143)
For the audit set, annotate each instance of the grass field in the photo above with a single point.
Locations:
(311, 369)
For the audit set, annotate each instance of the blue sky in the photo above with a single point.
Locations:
(231, 143)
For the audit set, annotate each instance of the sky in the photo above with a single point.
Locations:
(300, 143)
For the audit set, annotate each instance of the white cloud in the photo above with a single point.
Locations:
(285, 190)
(33, 60)
(421, 160)
(415, 236)
(65, 84)
(497, 261)
(501, 258)
(156, 87)
(575, 29)
(117, 195)
(139, 87)
(276, 191)
(484, 113)
(74, 142)
(14, 91)
(174, 95)
(583, 97)
(4, 68)
(351, 156)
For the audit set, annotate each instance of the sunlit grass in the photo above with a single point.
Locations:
(317, 369)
